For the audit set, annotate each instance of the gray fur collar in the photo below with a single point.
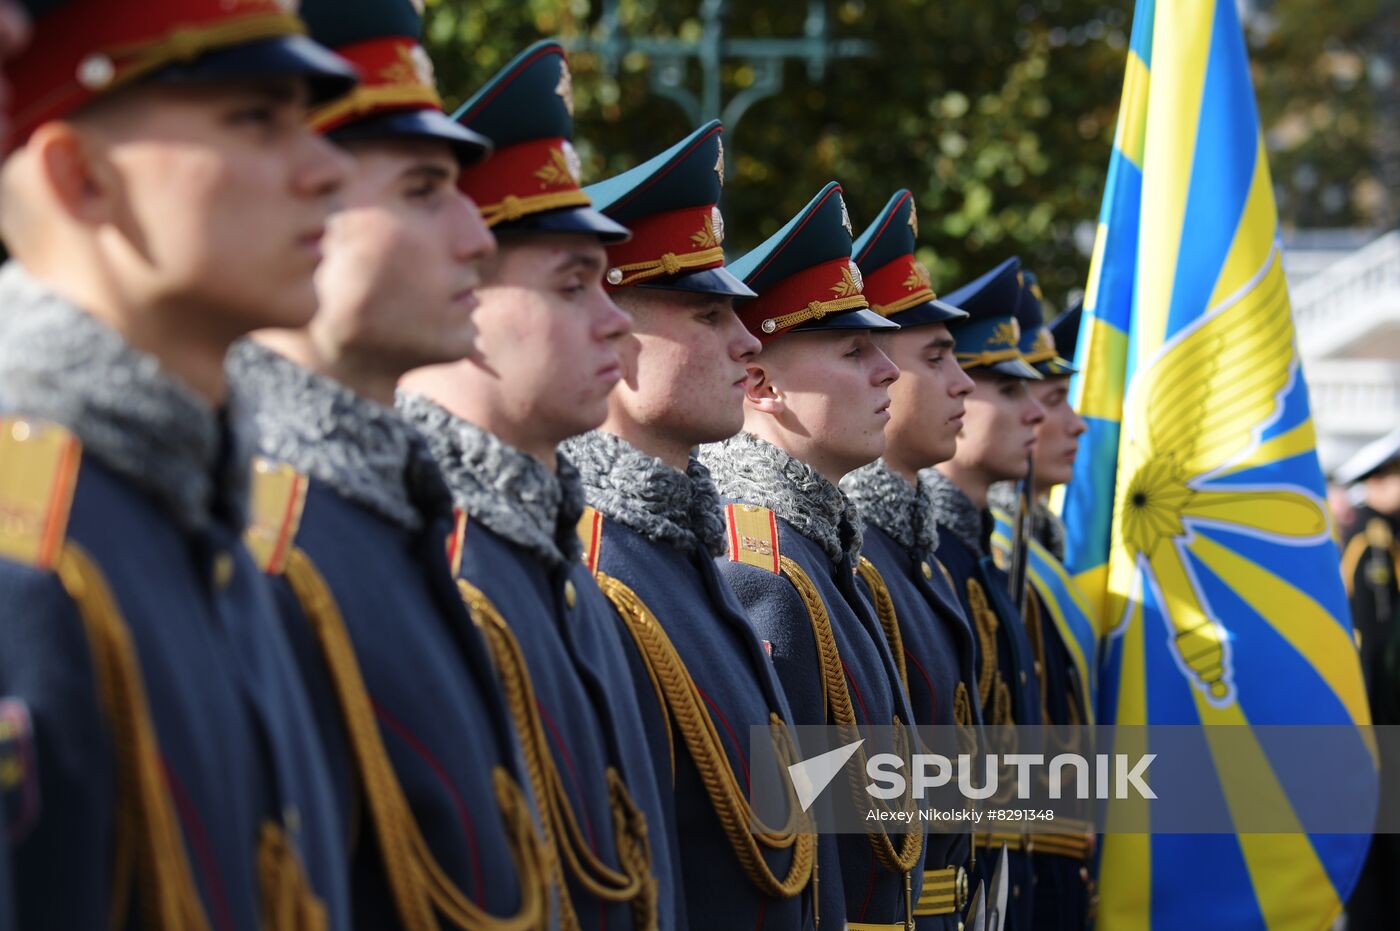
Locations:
(954, 511)
(677, 509)
(900, 509)
(60, 363)
(507, 490)
(1046, 526)
(366, 452)
(749, 469)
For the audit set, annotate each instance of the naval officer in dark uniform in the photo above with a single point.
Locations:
(929, 635)
(655, 525)
(163, 197)
(352, 513)
(545, 357)
(815, 408)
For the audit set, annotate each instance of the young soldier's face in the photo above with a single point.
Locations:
(834, 389)
(999, 426)
(1057, 437)
(687, 379)
(403, 256)
(219, 198)
(548, 334)
(927, 402)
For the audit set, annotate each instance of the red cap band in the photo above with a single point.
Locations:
(829, 288)
(689, 239)
(395, 74)
(530, 177)
(88, 47)
(897, 286)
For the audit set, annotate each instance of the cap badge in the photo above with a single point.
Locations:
(919, 278)
(563, 168)
(845, 215)
(719, 163)
(413, 66)
(914, 219)
(850, 284)
(1007, 333)
(711, 234)
(565, 87)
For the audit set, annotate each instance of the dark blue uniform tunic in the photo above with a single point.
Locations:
(158, 510)
(1012, 690)
(523, 556)
(939, 656)
(376, 537)
(657, 531)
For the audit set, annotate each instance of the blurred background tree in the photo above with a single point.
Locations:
(1330, 99)
(997, 114)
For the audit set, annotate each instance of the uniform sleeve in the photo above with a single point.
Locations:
(61, 832)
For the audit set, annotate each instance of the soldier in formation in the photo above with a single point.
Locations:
(398, 534)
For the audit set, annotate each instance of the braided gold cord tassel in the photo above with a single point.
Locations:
(686, 710)
(416, 880)
(842, 713)
(884, 610)
(150, 846)
(632, 882)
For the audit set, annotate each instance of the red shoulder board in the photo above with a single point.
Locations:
(753, 536)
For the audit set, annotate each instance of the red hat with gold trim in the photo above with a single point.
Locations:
(671, 204)
(397, 96)
(897, 284)
(82, 49)
(531, 183)
(804, 275)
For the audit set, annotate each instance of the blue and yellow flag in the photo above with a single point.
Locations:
(1196, 516)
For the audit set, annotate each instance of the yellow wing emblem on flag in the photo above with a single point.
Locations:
(1197, 409)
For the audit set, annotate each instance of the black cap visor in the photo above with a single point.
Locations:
(718, 281)
(469, 147)
(567, 220)
(861, 318)
(328, 75)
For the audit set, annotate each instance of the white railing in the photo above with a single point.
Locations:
(1341, 299)
(1355, 397)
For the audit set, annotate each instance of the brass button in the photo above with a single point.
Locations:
(927, 570)
(1023, 677)
(1039, 669)
(570, 593)
(223, 569)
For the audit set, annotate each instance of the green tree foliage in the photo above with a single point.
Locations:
(997, 114)
(1323, 71)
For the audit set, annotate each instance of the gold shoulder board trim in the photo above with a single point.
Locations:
(590, 533)
(278, 498)
(753, 536)
(38, 473)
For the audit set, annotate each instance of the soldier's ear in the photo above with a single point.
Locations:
(760, 393)
(74, 172)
